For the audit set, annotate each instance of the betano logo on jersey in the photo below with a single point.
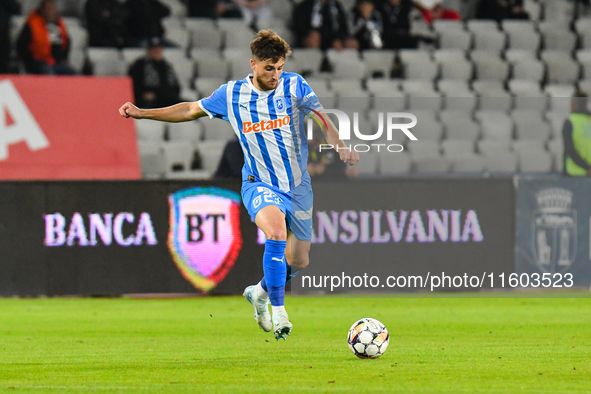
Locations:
(265, 125)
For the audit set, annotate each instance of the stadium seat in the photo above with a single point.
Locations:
(238, 36)
(305, 60)
(149, 130)
(426, 149)
(531, 69)
(434, 165)
(476, 25)
(524, 39)
(583, 27)
(205, 86)
(462, 129)
(453, 64)
(394, 163)
(453, 148)
(130, 55)
(186, 131)
(560, 95)
(501, 162)
(448, 115)
(558, 11)
(493, 147)
(178, 156)
(529, 124)
(561, 68)
(490, 40)
(556, 38)
(492, 95)
(347, 87)
(518, 26)
(203, 36)
(535, 162)
(349, 68)
(335, 56)
(379, 63)
(489, 66)
(585, 86)
(179, 36)
(200, 53)
(427, 129)
(533, 8)
(106, 61)
(455, 39)
(389, 101)
(217, 130)
(418, 64)
(470, 163)
(425, 101)
(441, 25)
(556, 148)
(212, 67)
(211, 153)
(382, 85)
(183, 67)
(528, 95)
(172, 22)
(360, 103)
(556, 119)
(515, 55)
(527, 146)
(151, 159)
(496, 125)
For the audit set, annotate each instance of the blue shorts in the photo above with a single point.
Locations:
(297, 205)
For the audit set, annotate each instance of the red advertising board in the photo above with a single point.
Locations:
(66, 128)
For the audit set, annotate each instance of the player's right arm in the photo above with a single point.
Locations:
(181, 112)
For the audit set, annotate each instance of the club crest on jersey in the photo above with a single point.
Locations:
(204, 237)
(265, 125)
(279, 104)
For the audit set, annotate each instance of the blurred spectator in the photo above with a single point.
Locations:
(154, 81)
(213, 9)
(144, 21)
(396, 20)
(577, 138)
(321, 24)
(326, 164)
(43, 44)
(501, 9)
(104, 20)
(232, 161)
(256, 13)
(7, 9)
(367, 25)
(437, 12)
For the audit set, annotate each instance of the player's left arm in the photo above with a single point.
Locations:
(309, 101)
(332, 138)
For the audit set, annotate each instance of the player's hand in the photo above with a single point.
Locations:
(348, 156)
(129, 110)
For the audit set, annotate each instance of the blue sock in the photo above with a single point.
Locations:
(275, 271)
(290, 272)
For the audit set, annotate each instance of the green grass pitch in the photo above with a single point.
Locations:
(437, 345)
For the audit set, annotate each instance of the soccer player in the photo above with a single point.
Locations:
(267, 110)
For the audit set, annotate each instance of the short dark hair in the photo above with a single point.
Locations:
(268, 45)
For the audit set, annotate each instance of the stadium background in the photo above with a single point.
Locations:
(490, 101)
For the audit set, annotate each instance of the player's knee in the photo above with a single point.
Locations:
(277, 234)
(300, 262)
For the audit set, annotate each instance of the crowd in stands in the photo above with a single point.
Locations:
(504, 59)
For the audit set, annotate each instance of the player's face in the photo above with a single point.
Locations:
(267, 73)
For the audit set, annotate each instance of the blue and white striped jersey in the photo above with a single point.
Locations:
(269, 125)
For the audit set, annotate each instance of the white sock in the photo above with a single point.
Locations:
(276, 309)
(263, 295)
